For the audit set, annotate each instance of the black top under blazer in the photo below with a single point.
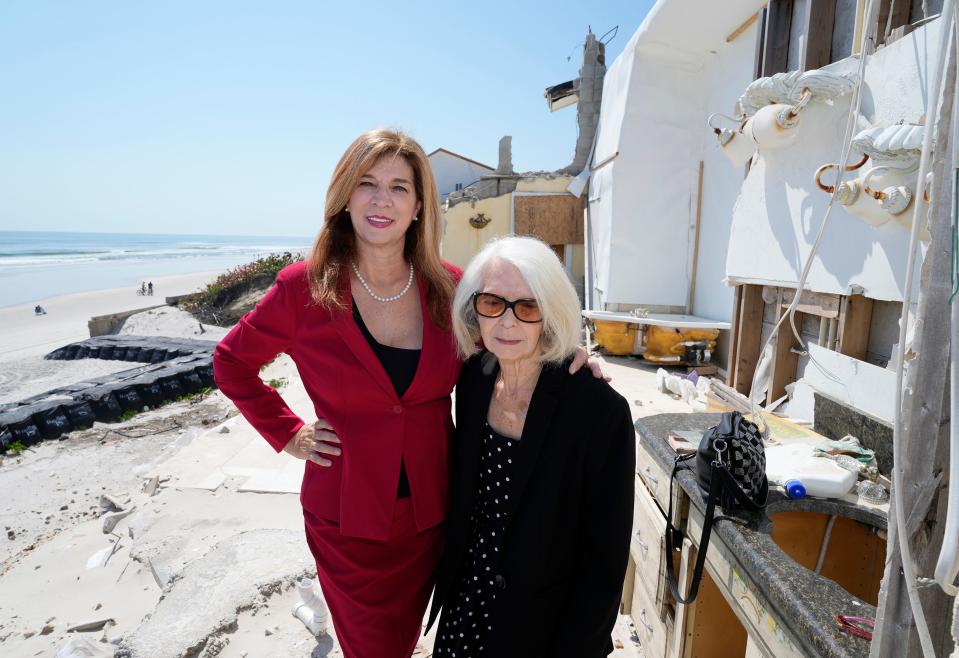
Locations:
(563, 559)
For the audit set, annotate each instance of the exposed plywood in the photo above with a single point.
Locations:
(555, 219)
(748, 338)
(734, 338)
(713, 630)
(854, 555)
(854, 323)
(820, 15)
(776, 47)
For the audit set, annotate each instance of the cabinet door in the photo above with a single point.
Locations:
(650, 629)
(647, 546)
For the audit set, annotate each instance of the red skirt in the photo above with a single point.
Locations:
(377, 592)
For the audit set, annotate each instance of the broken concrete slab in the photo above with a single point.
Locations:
(210, 591)
(111, 520)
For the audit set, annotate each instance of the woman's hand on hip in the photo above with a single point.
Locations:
(316, 443)
(581, 358)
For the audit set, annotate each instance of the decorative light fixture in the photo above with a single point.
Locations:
(479, 220)
(889, 187)
(768, 111)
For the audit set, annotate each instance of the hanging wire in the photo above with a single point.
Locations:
(614, 31)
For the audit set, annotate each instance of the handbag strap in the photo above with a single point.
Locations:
(714, 496)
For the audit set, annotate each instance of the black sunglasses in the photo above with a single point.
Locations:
(493, 306)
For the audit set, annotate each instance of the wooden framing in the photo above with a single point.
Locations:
(900, 18)
(852, 315)
(746, 336)
(854, 322)
(775, 56)
(783, 368)
(819, 22)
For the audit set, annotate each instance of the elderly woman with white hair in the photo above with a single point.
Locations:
(542, 471)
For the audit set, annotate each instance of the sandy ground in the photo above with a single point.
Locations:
(206, 561)
(24, 334)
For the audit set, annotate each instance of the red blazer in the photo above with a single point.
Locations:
(351, 390)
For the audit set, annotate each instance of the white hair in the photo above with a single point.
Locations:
(545, 276)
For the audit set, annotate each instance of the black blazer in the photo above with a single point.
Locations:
(564, 555)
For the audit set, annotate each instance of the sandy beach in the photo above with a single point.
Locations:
(24, 334)
(177, 532)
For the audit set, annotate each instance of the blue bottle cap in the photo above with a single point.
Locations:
(795, 489)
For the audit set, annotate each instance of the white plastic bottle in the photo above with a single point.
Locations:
(824, 478)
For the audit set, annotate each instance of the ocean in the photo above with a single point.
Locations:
(37, 265)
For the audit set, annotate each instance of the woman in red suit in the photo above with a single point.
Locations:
(366, 319)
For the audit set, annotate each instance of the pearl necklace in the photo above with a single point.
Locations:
(409, 283)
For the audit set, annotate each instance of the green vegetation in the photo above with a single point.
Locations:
(277, 383)
(212, 295)
(195, 397)
(16, 448)
(127, 415)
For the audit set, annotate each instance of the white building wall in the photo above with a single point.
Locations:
(727, 72)
(451, 170)
(779, 210)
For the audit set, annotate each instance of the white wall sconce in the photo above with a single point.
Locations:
(888, 189)
(768, 111)
(736, 144)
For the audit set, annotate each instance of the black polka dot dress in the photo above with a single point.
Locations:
(465, 623)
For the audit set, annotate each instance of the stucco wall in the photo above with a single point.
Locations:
(461, 241)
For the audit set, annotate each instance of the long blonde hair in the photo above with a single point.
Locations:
(335, 245)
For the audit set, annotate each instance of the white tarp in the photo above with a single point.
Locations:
(642, 203)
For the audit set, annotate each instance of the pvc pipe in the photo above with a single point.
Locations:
(312, 611)
(825, 543)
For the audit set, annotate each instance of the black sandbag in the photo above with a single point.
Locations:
(93, 352)
(106, 352)
(6, 438)
(205, 373)
(172, 388)
(146, 355)
(133, 353)
(82, 353)
(81, 415)
(69, 353)
(159, 356)
(119, 353)
(191, 382)
(129, 398)
(52, 423)
(25, 432)
(151, 393)
(105, 407)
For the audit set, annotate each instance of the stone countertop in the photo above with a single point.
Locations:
(804, 602)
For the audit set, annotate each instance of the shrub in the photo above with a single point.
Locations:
(211, 296)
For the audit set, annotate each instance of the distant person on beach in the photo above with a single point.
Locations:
(150, 289)
(143, 287)
(366, 319)
(541, 475)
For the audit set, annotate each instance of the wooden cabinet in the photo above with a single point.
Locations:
(652, 630)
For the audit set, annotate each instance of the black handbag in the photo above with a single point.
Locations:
(731, 471)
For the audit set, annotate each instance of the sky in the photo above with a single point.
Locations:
(227, 117)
